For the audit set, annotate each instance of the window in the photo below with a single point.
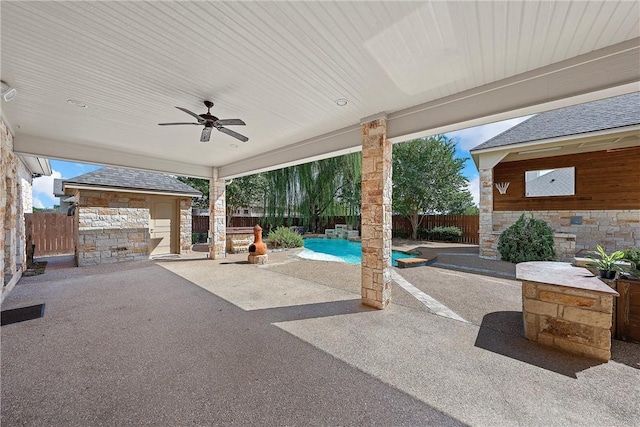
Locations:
(550, 182)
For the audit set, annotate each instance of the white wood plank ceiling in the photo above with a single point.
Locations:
(280, 66)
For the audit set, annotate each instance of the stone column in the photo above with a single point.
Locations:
(487, 240)
(376, 213)
(8, 207)
(217, 216)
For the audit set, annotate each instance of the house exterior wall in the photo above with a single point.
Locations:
(114, 227)
(612, 229)
(15, 200)
(24, 205)
(606, 202)
(7, 196)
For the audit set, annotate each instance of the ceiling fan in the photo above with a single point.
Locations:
(209, 122)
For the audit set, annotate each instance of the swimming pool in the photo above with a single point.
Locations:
(340, 250)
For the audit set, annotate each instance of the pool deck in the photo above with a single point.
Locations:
(222, 342)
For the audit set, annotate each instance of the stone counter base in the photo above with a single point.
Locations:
(575, 320)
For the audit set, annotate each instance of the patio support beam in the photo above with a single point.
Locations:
(376, 212)
(217, 216)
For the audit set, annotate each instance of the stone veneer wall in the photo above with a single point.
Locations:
(613, 229)
(24, 205)
(574, 320)
(217, 217)
(185, 225)
(112, 227)
(376, 214)
(487, 238)
(7, 196)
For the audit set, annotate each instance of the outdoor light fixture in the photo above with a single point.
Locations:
(8, 93)
(341, 102)
(502, 187)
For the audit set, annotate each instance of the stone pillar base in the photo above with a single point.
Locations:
(258, 259)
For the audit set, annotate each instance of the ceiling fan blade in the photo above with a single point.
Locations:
(230, 122)
(200, 120)
(171, 124)
(233, 134)
(206, 134)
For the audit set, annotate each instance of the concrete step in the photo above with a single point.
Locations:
(415, 262)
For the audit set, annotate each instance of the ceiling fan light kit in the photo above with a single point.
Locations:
(209, 122)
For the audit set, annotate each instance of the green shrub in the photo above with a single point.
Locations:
(632, 255)
(444, 234)
(198, 238)
(422, 234)
(528, 239)
(285, 238)
(399, 234)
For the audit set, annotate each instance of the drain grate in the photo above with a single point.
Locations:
(21, 314)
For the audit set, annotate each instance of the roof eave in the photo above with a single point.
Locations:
(77, 186)
(557, 141)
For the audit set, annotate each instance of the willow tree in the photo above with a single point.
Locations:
(314, 191)
(427, 178)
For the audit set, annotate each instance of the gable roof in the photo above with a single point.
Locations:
(594, 116)
(133, 180)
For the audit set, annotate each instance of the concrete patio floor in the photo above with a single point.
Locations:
(222, 342)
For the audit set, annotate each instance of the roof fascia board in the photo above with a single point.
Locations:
(560, 141)
(71, 185)
(55, 149)
(570, 82)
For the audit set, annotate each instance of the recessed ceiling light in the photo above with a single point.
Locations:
(341, 102)
(77, 103)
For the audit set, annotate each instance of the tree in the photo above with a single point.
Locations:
(315, 190)
(427, 178)
(245, 192)
(202, 185)
(462, 204)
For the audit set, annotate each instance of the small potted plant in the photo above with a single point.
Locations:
(607, 265)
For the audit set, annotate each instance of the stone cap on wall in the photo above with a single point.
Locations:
(561, 274)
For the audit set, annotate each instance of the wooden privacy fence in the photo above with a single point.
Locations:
(199, 224)
(469, 224)
(51, 232)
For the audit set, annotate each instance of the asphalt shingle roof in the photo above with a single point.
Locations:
(594, 116)
(133, 179)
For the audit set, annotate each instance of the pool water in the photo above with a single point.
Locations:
(344, 250)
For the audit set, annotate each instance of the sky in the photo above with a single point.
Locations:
(465, 140)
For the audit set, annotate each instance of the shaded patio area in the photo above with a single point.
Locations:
(197, 341)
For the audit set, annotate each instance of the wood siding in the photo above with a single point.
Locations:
(603, 180)
(52, 233)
